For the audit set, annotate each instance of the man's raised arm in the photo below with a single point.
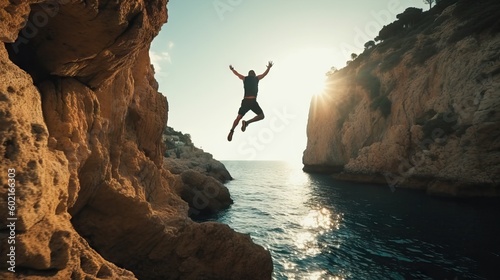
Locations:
(236, 72)
(269, 65)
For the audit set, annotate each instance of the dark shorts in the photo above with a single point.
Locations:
(249, 104)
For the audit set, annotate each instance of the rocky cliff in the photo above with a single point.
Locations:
(202, 176)
(181, 154)
(421, 109)
(81, 150)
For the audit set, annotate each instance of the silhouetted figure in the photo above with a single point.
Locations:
(249, 102)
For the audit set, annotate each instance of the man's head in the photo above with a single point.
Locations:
(251, 73)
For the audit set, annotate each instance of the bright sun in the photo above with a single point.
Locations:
(297, 76)
(305, 70)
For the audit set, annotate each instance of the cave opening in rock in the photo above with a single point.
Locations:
(24, 51)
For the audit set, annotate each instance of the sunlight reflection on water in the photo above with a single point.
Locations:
(316, 229)
(298, 226)
(320, 219)
(317, 275)
(315, 223)
(307, 243)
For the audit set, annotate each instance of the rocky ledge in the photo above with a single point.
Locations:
(202, 176)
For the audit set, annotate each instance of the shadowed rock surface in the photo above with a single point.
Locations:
(93, 199)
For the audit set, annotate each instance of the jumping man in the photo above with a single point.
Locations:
(249, 102)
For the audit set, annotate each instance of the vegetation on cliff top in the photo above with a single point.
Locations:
(410, 34)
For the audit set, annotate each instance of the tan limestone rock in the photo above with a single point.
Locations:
(93, 199)
(411, 121)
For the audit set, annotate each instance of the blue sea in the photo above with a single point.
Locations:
(319, 228)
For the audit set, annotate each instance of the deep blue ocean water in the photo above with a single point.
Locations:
(319, 228)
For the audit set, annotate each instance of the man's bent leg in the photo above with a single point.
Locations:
(259, 114)
(255, 119)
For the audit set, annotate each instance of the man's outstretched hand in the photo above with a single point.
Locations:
(231, 67)
(270, 64)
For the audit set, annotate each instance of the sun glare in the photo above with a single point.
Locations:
(305, 70)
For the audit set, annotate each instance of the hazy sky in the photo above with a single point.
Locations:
(193, 51)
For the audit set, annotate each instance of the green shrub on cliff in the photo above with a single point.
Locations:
(368, 81)
(410, 17)
(391, 30)
(370, 44)
(372, 85)
(476, 18)
(440, 126)
(392, 60)
(426, 51)
(174, 139)
(406, 20)
(383, 104)
(345, 108)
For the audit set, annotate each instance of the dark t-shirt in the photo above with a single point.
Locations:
(251, 85)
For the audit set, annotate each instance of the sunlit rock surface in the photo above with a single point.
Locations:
(421, 110)
(81, 122)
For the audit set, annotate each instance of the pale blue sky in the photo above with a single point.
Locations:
(304, 39)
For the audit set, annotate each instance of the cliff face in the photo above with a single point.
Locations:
(81, 123)
(420, 110)
(182, 154)
(202, 176)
